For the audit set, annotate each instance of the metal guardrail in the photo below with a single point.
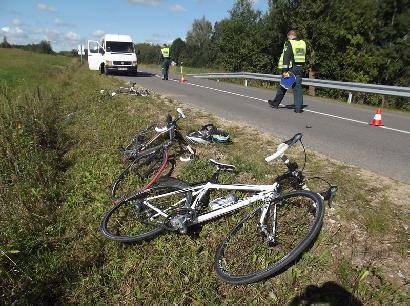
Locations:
(349, 86)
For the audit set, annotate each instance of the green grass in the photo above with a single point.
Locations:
(18, 68)
(59, 157)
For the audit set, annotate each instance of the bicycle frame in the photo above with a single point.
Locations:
(264, 192)
(169, 128)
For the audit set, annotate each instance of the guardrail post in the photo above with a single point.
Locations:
(349, 99)
(246, 83)
(312, 89)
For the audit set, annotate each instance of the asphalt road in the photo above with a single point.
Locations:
(338, 130)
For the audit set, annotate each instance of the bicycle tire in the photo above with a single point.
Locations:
(254, 262)
(133, 212)
(140, 173)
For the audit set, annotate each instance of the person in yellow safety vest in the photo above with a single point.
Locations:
(165, 61)
(291, 61)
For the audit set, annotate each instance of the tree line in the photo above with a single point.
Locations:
(42, 47)
(348, 40)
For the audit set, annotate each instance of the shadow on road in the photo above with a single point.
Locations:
(329, 293)
(141, 74)
(292, 106)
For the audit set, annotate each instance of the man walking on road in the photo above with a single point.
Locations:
(292, 61)
(165, 61)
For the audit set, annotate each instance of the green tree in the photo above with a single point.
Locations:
(178, 50)
(240, 40)
(5, 43)
(198, 41)
(149, 54)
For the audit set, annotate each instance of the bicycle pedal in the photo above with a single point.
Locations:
(273, 243)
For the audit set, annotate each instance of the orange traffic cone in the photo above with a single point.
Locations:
(377, 119)
(182, 80)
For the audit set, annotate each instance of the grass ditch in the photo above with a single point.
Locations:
(56, 254)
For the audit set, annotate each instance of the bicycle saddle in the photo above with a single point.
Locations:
(221, 166)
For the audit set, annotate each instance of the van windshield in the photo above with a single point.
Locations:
(120, 46)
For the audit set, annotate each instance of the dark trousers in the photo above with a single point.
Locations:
(297, 90)
(165, 68)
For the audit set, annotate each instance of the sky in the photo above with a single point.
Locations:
(68, 23)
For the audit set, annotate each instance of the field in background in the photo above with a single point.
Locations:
(59, 138)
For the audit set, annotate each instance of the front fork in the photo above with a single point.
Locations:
(263, 226)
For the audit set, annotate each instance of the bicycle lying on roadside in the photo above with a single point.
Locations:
(276, 231)
(132, 90)
(148, 155)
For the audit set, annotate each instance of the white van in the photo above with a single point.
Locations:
(113, 52)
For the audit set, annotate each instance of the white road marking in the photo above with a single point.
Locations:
(307, 110)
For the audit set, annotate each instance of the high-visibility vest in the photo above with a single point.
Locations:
(165, 52)
(299, 53)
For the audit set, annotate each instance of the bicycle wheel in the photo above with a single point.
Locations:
(246, 255)
(133, 219)
(141, 173)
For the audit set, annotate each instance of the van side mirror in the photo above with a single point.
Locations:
(102, 51)
(138, 51)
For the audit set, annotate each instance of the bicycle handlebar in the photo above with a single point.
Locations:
(284, 146)
(181, 113)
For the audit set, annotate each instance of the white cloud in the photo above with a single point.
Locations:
(52, 35)
(46, 8)
(19, 31)
(16, 21)
(22, 35)
(15, 33)
(61, 23)
(71, 36)
(158, 39)
(98, 33)
(177, 8)
(145, 2)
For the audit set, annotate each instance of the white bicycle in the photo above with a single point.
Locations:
(276, 231)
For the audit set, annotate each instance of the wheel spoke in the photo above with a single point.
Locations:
(132, 219)
(247, 253)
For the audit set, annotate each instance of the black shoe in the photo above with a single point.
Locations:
(298, 111)
(273, 104)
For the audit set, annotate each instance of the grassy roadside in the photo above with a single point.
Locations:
(60, 255)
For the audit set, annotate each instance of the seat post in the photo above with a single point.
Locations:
(215, 177)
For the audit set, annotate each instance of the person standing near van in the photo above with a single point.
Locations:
(165, 61)
(292, 61)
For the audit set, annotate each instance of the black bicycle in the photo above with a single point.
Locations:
(275, 232)
(149, 154)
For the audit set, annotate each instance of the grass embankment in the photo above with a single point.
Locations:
(59, 157)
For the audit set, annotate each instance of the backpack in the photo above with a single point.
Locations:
(209, 134)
